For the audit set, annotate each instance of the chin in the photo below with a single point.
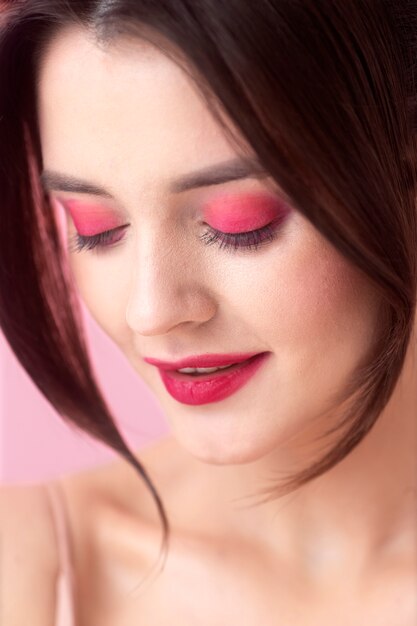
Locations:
(217, 449)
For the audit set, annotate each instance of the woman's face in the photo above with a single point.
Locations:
(129, 121)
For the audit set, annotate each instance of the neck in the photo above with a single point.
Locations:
(357, 512)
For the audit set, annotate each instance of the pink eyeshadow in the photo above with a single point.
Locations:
(89, 219)
(232, 213)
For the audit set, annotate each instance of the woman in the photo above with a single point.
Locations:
(237, 182)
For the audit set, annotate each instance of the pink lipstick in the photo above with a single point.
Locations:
(196, 389)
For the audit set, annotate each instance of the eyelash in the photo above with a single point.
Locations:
(247, 241)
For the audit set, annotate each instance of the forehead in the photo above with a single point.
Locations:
(124, 108)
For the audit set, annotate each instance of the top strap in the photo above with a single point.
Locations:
(63, 536)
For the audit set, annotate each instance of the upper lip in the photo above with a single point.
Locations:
(202, 360)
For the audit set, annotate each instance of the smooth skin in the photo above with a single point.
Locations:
(342, 549)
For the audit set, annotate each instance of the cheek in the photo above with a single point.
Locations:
(310, 307)
(103, 292)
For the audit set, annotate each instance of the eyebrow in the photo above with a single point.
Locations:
(234, 169)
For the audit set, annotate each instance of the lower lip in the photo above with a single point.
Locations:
(213, 387)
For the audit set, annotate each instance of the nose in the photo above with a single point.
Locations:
(167, 288)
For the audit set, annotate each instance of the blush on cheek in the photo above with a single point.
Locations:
(327, 300)
(232, 213)
(89, 219)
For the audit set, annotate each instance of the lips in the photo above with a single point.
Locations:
(203, 360)
(196, 390)
(206, 376)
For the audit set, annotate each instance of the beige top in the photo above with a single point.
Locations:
(65, 584)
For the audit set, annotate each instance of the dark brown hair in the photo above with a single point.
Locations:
(323, 92)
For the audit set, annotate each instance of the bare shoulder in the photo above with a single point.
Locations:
(113, 520)
(117, 485)
(110, 502)
(29, 557)
(25, 514)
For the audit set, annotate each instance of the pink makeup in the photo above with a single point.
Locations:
(90, 218)
(243, 212)
(227, 212)
(207, 388)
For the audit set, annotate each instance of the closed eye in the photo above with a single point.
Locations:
(250, 240)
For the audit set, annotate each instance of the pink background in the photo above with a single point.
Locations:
(36, 444)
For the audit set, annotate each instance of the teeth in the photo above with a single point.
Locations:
(201, 370)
